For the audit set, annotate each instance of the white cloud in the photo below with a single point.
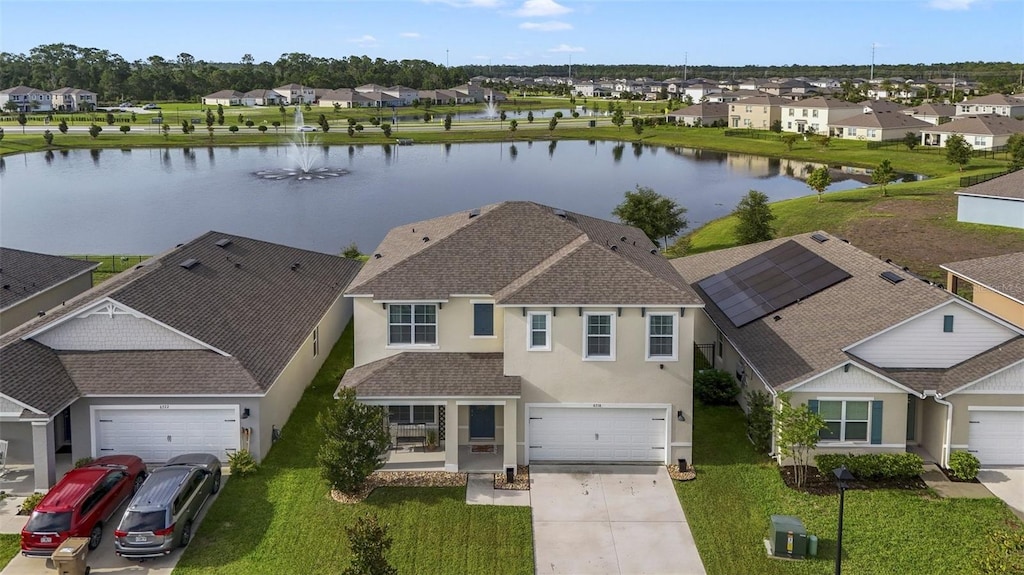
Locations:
(467, 3)
(550, 26)
(541, 8)
(566, 48)
(410, 35)
(952, 4)
(481, 57)
(365, 40)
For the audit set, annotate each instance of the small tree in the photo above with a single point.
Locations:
(387, 129)
(777, 126)
(796, 430)
(789, 140)
(883, 174)
(324, 124)
(262, 128)
(529, 117)
(125, 128)
(232, 128)
(818, 180)
(48, 136)
(958, 151)
(552, 123)
(249, 123)
(427, 117)
(22, 120)
(638, 125)
(94, 131)
(209, 121)
(354, 444)
(910, 140)
(369, 541)
(276, 125)
(618, 118)
(220, 114)
(1, 134)
(63, 126)
(659, 217)
(512, 127)
(352, 252)
(447, 121)
(110, 119)
(186, 128)
(166, 129)
(1015, 147)
(759, 420)
(755, 218)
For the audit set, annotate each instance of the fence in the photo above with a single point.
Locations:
(998, 152)
(753, 134)
(968, 181)
(703, 356)
(113, 264)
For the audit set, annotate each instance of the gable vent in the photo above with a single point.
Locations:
(891, 277)
(189, 263)
(820, 238)
(223, 242)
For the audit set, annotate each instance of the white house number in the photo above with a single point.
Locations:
(597, 405)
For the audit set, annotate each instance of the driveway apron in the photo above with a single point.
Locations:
(1006, 483)
(609, 519)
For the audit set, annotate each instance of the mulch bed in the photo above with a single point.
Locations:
(689, 475)
(949, 475)
(818, 484)
(522, 482)
(401, 479)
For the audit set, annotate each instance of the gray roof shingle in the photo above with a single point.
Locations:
(1004, 274)
(24, 274)
(1009, 186)
(163, 372)
(433, 374)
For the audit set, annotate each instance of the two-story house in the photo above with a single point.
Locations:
(292, 94)
(26, 99)
(521, 333)
(998, 104)
(817, 114)
(756, 112)
(72, 100)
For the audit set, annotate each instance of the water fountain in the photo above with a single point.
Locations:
(491, 111)
(302, 155)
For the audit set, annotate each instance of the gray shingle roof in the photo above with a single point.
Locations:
(24, 274)
(810, 335)
(1009, 186)
(433, 374)
(247, 298)
(703, 110)
(197, 372)
(518, 251)
(932, 110)
(823, 102)
(33, 375)
(1004, 274)
(884, 119)
(988, 124)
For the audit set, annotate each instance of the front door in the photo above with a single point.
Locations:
(481, 422)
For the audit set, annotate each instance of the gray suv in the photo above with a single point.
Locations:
(160, 516)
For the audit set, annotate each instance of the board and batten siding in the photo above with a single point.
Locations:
(922, 343)
(100, 331)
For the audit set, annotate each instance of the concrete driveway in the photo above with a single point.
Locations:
(613, 519)
(1006, 483)
(103, 559)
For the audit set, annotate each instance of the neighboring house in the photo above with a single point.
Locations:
(26, 99)
(72, 100)
(205, 348)
(981, 132)
(757, 112)
(261, 98)
(344, 98)
(819, 113)
(891, 362)
(699, 90)
(471, 93)
(882, 106)
(444, 97)
(934, 114)
(731, 96)
(878, 126)
(996, 282)
(224, 98)
(997, 202)
(529, 332)
(998, 104)
(296, 94)
(704, 114)
(34, 283)
(404, 94)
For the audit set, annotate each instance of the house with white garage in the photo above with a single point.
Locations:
(892, 363)
(932, 113)
(985, 132)
(875, 126)
(205, 348)
(996, 202)
(33, 283)
(518, 333)
(996, 284)
(261, 97)
(999, 104)
(817, 114)
(224, 98)
(292, 94)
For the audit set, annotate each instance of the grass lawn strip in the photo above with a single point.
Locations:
(282, 519)
(885, 531)
(10, 546)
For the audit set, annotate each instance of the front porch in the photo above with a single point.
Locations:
(469, 461)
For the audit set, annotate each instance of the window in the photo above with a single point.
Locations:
(412, 414)
(979, 140)
(851, 131)
(789, 125)
(844, 420)
(316, 341)
(538, 331)
(750, 108)
(483, 319)
(814, 113)
(661, 336)
(804, 113)
(792, 112)
(872, 132)
(599, 336)
(412, 324)
(947, 324)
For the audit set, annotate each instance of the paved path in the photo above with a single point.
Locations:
(1006, 483)
(480, 491)
(937, 480)
(609, 519)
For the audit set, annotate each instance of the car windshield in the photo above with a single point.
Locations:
(138, 521)
(41, 522)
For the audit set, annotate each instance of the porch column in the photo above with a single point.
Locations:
(44, 455)
(511, 433)
(451, 436)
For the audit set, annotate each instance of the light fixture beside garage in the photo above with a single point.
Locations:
(680, 416)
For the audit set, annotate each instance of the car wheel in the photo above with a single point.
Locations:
(216, 481)
(186, 533)
(95, 536)
(139, 480)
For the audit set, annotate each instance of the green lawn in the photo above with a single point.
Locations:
(885, 532)
(282, 520)
(10, 546)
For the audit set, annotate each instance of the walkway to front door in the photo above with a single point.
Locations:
(613, 519)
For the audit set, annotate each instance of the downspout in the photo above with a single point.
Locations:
(948, 443)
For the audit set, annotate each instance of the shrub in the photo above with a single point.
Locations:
(1003, 552)
(242, 463)
(964, 466)
(759, 420)
(355, 442)
(872, 466)
(83, 461)
(715, 387)
(369, 541)
(30, 503)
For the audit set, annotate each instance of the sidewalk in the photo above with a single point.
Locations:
(937, 480)
(480, 491)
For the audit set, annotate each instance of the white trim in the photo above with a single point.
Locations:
(666, 406)
(988, 197)
(611, 337)
(54, 286)
(972, 392)
(982, 284)
(530, 330)
(963, 388)
(843, 420)
(479, 402)
(861, 444)
(473, 303)
(605, 305)
(959, 446)
(410, 301)
(995, 408)
(152, 395)
(22, 404)
(168, 407)
(405, 399)
(675, 337)
(888, 380)
(412, 327)
(114, 305)
(486, 296)
(681, 444)
(383, 403)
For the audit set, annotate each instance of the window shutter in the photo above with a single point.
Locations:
(812, 404)
(876, 422)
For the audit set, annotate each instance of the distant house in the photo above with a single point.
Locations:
(757, 112)
(934, 114)
(882, 106)
(343, 98)
(445, 97)
(224, 98)
(818, 113)
(296, 94)
(877, 126)
(982, 132)
(729, 96)
(997, 284)
(997, 202)
(700, 90)
(72, 100)
(26, 99)
(998, 104)
(35, 283)
(703, 114)
(261, 98)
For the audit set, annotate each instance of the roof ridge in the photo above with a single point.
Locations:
(529, 276)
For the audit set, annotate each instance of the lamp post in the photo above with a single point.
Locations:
(842, 476)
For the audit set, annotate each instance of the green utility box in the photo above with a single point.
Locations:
(788, 537)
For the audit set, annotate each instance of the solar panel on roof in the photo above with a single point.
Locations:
(770, 281)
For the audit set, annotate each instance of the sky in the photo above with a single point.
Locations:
(461, 32)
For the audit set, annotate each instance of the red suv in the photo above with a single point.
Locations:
(80, 503)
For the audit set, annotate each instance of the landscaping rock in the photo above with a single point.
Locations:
(522, 482)
(689, 475)
(401, 479)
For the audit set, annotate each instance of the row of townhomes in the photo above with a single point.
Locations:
(26, 99)
(573, 342)
(365, 96)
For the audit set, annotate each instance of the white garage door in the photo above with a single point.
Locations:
(156, 434)
(997, 437)
(597, 434)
